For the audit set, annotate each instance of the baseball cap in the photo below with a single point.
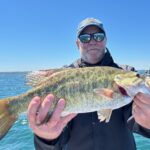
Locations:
(88, 22)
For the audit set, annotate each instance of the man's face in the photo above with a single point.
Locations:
(93, 51)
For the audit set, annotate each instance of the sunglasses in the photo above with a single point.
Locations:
(86, 38)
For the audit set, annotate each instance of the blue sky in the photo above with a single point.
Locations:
(41, 34)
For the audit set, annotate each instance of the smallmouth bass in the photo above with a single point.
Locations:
(88, 89)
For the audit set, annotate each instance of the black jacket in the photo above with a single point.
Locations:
(85, 132)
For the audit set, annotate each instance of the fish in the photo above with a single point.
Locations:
(89, 89)
(147, 79)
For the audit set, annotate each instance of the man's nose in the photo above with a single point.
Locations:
(92, 41)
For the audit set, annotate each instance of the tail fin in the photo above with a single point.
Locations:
(6, 118)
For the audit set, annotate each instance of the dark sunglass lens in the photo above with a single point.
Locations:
(85, 38)
(99, 36)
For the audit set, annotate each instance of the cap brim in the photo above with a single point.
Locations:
(83, 28)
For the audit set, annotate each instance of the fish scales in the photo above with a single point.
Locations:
(69, 84)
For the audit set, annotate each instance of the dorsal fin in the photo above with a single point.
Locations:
(36, 78)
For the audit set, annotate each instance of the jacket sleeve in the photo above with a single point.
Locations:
(135, 127)
(57, 144)
(42, 144)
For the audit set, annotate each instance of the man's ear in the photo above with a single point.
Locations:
(77, 43)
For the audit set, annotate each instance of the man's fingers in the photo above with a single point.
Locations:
(56, 114)
(145, 98)
(139, 103)
(135, 109)
(140, 117)
(138, 112)
(44, 108)
(32, 110)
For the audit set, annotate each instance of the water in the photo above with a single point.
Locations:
(20, 136)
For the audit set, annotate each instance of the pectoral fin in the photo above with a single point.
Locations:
(104, 114)
(107, 93)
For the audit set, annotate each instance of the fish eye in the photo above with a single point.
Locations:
(138, 75)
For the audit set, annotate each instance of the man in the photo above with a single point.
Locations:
(84, 131)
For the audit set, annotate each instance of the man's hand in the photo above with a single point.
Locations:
(141, 109)
(37, 111)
